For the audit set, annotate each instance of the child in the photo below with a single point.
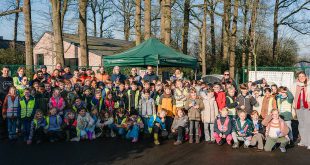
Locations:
(27, 111)
(219, 96)
(11, 111)
(259, 98)
(146, 108)
(179, 126)
(84, 123)
(167, 102)
(223, 128)
(157, 124)
(242, 130)
(120, 97)
(97, 102)
(54, 122)
(269, 103)
(78, 105)
(231, 103)
(276, 131)
(285, 102)
(109, 103)
(95, 117)
(180, 94)
(87, 97)
(117, 125)
(133, 97)
(258, 133)
(209, 114)
(194, 105)
(70, 124)
(38, 125)
(133, 123)
(105, 124)
(245, 100)
(57, 102)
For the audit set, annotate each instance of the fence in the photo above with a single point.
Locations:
(245, 74)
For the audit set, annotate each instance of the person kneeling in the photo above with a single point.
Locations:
(53, 127)
(38, 125)
(179, 124)
(157, 124)
(223, 128)
(276, 131)
(258, 133)
(242, 130)
(133, 123)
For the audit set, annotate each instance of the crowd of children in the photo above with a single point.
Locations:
(87, 106)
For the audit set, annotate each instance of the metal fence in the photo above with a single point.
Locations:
(245, 74)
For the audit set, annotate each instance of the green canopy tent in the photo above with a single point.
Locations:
(151, 52)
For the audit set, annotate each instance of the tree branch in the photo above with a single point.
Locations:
(11, 12)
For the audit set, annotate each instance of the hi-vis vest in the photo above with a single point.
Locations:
(26, 110)
(35, 122)
(100, 104)
(231, 111)
(153, 120)
(12, 107)
(48, 121)
(269, 105)
(137, 94)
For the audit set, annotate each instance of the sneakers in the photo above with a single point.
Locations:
(156, 142)
(245, 146)
(190, 139)
(178, 142)
(282, 149)
(308, 148)
(300, 144)
(76, 139)
(134, 140)
(236, 145)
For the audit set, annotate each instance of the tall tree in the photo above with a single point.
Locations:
(104, 13)
(58, 47)
(28, 34)
(138, 22)
(185, 30)
(212, 6)
(147, 19)
(204, 39)
(162, 20)
(252, 32)
(167, 22)
(16, 24)
(64, 9)
(83, 33)
(244, 40)
(226, 30)
(93, 8)
(233, 41)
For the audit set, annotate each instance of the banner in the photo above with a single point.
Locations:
(273, 77)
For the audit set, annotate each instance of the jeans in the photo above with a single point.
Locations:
(120, 131)
(168, 123)
(236, 138)
(181, 131)
(12, 124)
(290, 133)
(302, 126)
(193, 124)
(133, 132)
(208, 130)
(26, 126)
(145, 122)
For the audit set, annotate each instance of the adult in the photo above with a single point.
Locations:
(301, 104)
(102, 75)
(178, 75)
(40, 78)
(68, 75)
(117, 76)
(227, 78)
(5, 83)
(60, 69)
(17, 80)
(136, 77)
(150, 76)
(44, 71)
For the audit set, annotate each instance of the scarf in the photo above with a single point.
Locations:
(302, 96)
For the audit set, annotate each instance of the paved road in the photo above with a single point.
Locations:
(117, 151)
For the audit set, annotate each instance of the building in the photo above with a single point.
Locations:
(97, 48)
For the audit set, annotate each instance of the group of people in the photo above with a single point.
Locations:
(86, 105)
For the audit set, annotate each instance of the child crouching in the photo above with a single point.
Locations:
(242, 130)
(223, 128)
(179, 126)
(38, 125)
(53, 127)
(157, 124)
(84, 123)
(133, 123)
(69, 125)
(258, 133)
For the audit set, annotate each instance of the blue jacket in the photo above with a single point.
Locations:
(150, 77)
(120, 76)
(155, 119)
(54, 123)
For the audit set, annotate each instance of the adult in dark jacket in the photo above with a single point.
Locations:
(117, 75)
(150, 75)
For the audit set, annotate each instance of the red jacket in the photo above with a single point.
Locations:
(220, 98)
(109, 104)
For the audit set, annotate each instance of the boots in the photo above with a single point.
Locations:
(190, 139)
(156, 142)
(197, 139)
(67, 136)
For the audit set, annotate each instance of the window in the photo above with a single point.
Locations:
(40, 60)
(71, 62)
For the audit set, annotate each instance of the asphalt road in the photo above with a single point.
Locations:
(117, 151)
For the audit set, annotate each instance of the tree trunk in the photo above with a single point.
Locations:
(147, 19)
(244, 43)
(83, 33)
(93, 7)
(138, 22)
(185, 26)
(212, 32)
(58, 41)
(162, 20)
(15, 25)
(233, 42)
(126, 26)
(28, 35)
(226, 30)
(275, 32)
(204, 39)
(168, 23)
(252, 32)
(63, 12)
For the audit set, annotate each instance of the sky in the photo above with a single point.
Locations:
(41, 23)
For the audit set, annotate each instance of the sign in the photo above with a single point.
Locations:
(280, 78)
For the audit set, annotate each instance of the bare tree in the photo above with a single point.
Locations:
(138, 22)
(28, 34)
(162, 19)
(83, 32)
(226, 29)
(15, 24)
(104, 13)
(204, 39)
(147, 19)
(252, 32)
(93, 8)
(187, 9)
(244, 40)
(233, 41)
(64, 9)
(168, 22)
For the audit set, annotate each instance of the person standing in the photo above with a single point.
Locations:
(5, 83)
(150, 76)
(117, 76)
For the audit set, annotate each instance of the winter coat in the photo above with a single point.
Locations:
(193, 113)
(283, 127)
(223, 125)
(248, 101)
(179, 122)
(167, 102)
(146, 107)
(210, 111)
